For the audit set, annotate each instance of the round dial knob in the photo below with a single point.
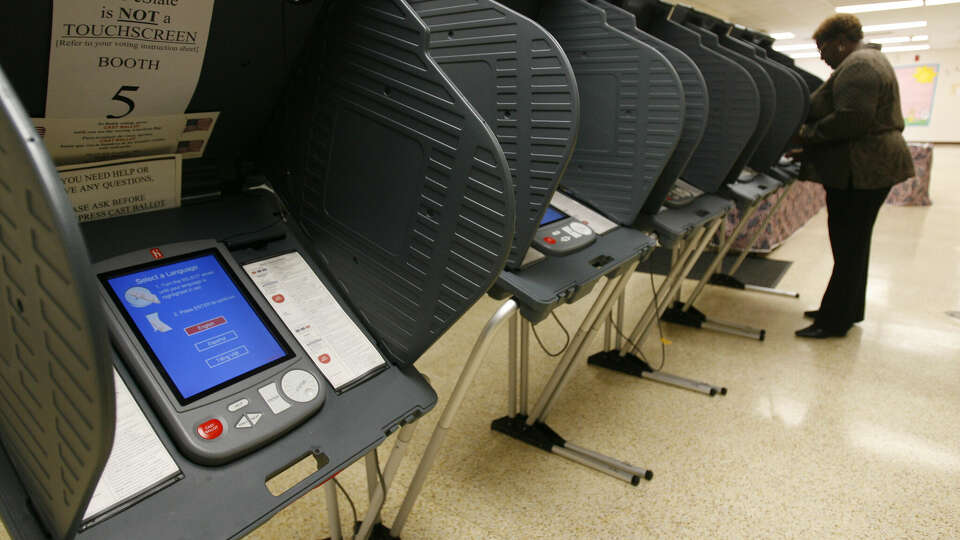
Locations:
(300, 386)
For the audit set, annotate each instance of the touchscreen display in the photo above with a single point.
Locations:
(200, 327)
(551, 215)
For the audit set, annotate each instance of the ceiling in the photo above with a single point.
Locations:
(803, 16)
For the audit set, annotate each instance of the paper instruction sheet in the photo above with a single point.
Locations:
(123, 187)
(82, 140)
(138, 462)
(332, 339)
(572, 208)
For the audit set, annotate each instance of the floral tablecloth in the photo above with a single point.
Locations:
(808, 198)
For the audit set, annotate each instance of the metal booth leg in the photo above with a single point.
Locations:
(380, 490)
(506, 311)
(624, 360)
(686, 314)
(532, 429)
(727, 279)
(662, 294)
(333, 509)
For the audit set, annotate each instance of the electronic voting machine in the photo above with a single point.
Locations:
(221, 368)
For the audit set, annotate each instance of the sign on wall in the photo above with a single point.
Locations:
(918, 85)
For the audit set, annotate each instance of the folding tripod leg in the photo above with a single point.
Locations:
(524, 364)
(763, 226)
(753, 240)
(721, 253)
(600, 308)
(372, 516)
(691, 261)
(512, 364)
(333, 509)
(450, 411)
(652, 309)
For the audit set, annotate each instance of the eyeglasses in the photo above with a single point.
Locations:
(821, 45)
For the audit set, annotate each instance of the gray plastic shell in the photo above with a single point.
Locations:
(519, 79)
(767, 100)
(673, 224)
(400, 186)
(555, 281)
(695, 97)
(789, 114)
(56, 382)
(632, 110)
(725, 137)
(749, 103)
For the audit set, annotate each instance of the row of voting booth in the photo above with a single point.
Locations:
(406, 157)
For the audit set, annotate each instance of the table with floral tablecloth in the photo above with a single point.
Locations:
(808, 198)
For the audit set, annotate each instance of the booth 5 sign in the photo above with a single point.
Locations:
(119, 58)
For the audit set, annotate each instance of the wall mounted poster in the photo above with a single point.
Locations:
(918, 84)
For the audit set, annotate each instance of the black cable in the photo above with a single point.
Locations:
(349, 500)
(542, 346)
(656, 300)
(383, 484)
(227, 239)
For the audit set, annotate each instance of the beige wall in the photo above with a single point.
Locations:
(945, 121)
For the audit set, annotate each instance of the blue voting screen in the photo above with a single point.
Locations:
(201, 329)
(551, 215)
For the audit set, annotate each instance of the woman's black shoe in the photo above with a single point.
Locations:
(812, 314)
(816, 332)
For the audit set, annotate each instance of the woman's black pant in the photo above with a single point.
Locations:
(851, 214)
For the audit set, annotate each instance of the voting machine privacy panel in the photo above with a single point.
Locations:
(636, 132)
(390, 186)
(518, 78)
(728, 128)
(695, 98)
(790, 104)
(763, 104)
(445, 188)
(56, 387)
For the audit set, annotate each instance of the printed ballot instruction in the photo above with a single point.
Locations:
(332, 339)
(117, 58)
(82, 140)
(138, 462)
(123, 187)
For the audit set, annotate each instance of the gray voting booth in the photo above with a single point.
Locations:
(599, 60)
(430, 233)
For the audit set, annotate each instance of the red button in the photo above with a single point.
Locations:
(324, 358)
(550, 240)
(278, 298)
(211, 429)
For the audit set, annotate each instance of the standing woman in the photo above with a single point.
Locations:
(853, 145)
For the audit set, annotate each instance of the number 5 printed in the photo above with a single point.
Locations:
(124, 99)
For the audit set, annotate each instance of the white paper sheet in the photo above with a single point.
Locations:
(335, 343)
(83, 140)
(138, 461)
(572, 208)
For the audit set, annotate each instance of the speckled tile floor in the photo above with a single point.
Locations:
(853, 437)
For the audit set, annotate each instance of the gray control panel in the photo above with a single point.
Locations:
(559, 234)
(219, 367)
